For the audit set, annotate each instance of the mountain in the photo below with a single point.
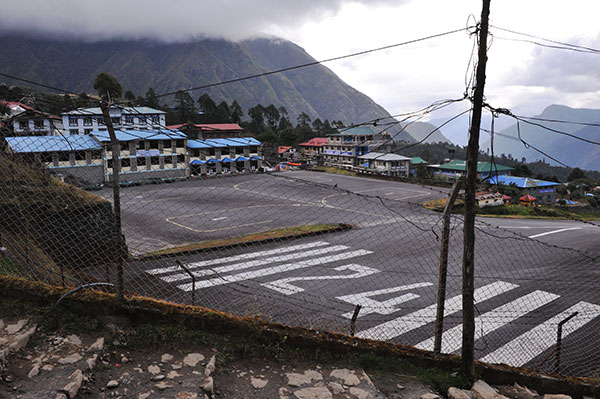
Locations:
(167, 67)
(568, 150)
(417, 131)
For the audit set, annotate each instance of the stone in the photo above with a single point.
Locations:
(515, 392)
(153, 369)
(166, 358)
(258, 383)
(210, 367)
(556, 396)
(72, 358)
(74, 339)
(14, 328)
(485, 391)
(75, 381)
(366, 378)
(284, 393)
(35, 370)
(348, 377)
(176, 366)
(456, 393)
(161, 386)
(97, 346)
(1, 324)
(124, 359)
(144, 395)
(173, 374)
(336, 388)
(361, 393)
(47, 367)
(400, 387)
(91, 362)
(187, 395)
(430, 396)
(158, 377)
(242, 374)
(192, 359)
(313, 393)
(112, 384)
(209, 385)
(21, 340)
(297, 380)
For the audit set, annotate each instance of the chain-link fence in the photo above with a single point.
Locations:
(328, 252)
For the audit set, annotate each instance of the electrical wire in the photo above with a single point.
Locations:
(564, 44)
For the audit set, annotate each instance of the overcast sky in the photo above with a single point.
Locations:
(521, 76)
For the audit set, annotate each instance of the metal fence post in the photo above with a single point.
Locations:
(441, 296)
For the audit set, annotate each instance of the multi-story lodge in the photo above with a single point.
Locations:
(345, 146)
(27, 121)
(88, 120)
(209, 131)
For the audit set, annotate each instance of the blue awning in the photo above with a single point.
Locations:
(241, 159)
(197, 162)
(212, 160)
(227, 160)
(255, 158)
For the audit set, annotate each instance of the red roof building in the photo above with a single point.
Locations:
(282, 149)
(209, 131)
(313, 147)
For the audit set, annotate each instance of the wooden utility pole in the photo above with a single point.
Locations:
(441, 298)
(116, 170)
(468, 338)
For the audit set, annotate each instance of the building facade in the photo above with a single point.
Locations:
(388, 164)
(344, 146)
(224, 156)
(458, 168)
(79, 156)
(209, 131)
(88, 120)
(543, 191)
(313, 148)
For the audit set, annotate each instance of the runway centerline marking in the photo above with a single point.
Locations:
(221, 218)
(554, 232)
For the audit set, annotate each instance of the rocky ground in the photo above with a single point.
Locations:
(67, 357)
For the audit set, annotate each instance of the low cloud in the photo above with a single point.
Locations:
(175, 20)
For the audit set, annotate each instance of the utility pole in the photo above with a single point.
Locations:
(468, 338)
(116, 167)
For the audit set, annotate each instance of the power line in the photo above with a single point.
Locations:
(565, 45)
(37, 83)
(311, 63)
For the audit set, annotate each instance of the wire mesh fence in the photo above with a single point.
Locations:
(305, 248)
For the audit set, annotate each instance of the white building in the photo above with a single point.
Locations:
(87, 120)
(385, 163)
(27, 121)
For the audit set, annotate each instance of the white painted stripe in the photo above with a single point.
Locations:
(273, 270)
(403, 324)
(492, 320)
(221, 218)
(253, 263)
(554, 231)
(527, 346)
(284, 285)
(250, 255)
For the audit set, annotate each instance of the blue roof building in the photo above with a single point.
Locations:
(543, 191)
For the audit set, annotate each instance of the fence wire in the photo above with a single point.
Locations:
(304, 249)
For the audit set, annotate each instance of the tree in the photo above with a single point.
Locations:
(185, 108)
(272, 115)
(257, 118)
(522, 170)
(236, 112)
(151, 100)
(208, 107)
(129, 96)
(107, 86)
(576, 174)
(222, 114)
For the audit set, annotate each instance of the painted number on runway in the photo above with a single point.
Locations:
(284, 285)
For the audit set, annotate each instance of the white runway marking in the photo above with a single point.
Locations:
(401, 325)
(221, 218)
(254, 263)
(492, 320)
(554, 231)
(212, 262)
(527, 346)
(285, 287)
(273, 270)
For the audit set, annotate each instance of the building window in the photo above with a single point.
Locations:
(179, 143)
(38, 124)
(80, 156)
(109, 164)
(153, 144)
(87, 131)
(155, 160)
(46, 157)
(212, 151)
(96, 154)
(87, 121)
(101, 121)
(139, 145)
(142, 119)
(180, 158)
(74, 131)
(129, 119)
(141, 161)
(253, 149)
(196, 152)
(73, 121)
(166, 144)
(63, 157)
(125, 162)
(116, 121)
(155, 119)
(23, 125)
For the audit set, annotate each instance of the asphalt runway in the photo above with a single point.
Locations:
(388, 263)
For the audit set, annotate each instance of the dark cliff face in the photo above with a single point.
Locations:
(167, 67)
